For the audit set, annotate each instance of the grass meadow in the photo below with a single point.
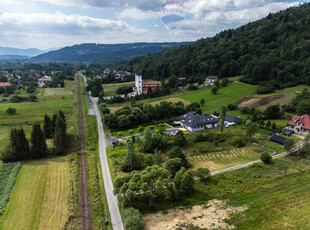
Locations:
(110, 89)
(231, 94)
(277, 195)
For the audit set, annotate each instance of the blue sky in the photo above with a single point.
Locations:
(56, 23)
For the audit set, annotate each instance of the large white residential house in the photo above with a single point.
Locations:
(300, 124)
(43, 81)
(194, 122)
(210, 80)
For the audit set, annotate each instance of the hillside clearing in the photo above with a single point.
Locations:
(231, 94)
(39, 199)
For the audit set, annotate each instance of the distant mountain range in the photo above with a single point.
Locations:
(8, 51)
(90, 52)
(104, 53)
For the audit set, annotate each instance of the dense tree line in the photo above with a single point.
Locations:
(273, 49)
(151, 186)
(19, 148)
(300, 104)
(127, 117)
(95, 87)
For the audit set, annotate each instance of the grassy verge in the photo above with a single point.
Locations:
(97, 197)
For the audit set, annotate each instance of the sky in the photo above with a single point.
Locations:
(48, 24)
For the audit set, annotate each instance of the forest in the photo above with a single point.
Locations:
(273, 52)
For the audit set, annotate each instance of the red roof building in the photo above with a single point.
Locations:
(5, 84)
(300, 124)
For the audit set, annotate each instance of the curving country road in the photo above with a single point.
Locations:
(116, 218)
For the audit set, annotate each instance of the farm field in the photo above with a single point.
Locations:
(228, 158)
(282, 97)
(39, 199)
(231, 94)
(8, 174)
(110, 89)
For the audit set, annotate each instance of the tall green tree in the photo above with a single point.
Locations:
(130, 158)
(38, 142)
(223, 116)
(60, 136)
(48, 127)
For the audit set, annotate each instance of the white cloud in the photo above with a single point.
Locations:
(135, 13)
(48, 30)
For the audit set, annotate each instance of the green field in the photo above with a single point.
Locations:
(110, 89)
(125, 133)
(39, 199)
(231, 94)
(57, 92)
(277, 195)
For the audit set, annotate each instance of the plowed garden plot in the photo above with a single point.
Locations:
(224, 159)
(39, 199)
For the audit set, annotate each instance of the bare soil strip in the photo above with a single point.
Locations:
(85, 211)
(209, 216)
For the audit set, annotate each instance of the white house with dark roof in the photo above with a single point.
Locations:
(210, 80)
(231, 120)
(195, 122)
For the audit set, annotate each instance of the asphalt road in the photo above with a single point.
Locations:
(108, 185)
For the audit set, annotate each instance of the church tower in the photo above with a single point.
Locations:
(138, 82)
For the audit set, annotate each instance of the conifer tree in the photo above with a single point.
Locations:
(22, 147)
(60, 136)
(48, 127)
(54, 122)
(38, 142)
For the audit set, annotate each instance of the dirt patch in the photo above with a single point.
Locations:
(257, 101)
(208, 216)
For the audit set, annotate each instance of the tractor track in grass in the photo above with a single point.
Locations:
(85, 211)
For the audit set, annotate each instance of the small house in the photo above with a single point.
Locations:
(231, 120)
(210, 80)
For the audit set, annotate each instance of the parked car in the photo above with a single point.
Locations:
(288, 133)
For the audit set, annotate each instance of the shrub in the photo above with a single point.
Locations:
(266, 158)
(203, 174)
(140, 129)
(11, 111)
(232, 107)
(131, 131)
(119, 134)
(133, 219)
(238, 141)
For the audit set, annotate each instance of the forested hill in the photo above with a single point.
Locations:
(274, 48)
(104, 53)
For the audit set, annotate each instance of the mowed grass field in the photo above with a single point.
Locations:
(231, 94)
(57, 92)
(110, 89)
(39, 199)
